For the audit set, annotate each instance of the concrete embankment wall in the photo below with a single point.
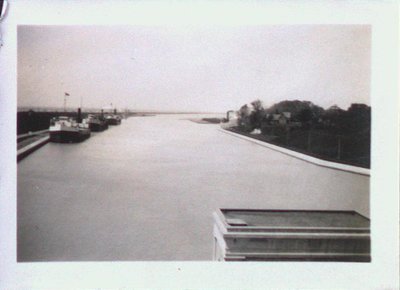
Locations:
(307, 158)
(30, 134)
(25, 151)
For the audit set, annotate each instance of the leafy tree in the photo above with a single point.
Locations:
(305, 115)
(257, 105)
(359, 118)
(334, 119)
(257, 115)
(244, 117)
(298, 109)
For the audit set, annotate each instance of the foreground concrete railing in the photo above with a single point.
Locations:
(25, 151)
(30, 134)
(298, 155)
(291, 235)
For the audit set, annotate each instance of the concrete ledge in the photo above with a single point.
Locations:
(307, 158)
(25, 151)
(31, 134)
(300, 257)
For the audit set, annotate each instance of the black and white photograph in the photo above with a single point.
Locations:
(151, 130)
(193, 144)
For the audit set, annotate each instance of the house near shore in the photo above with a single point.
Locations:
(231, 119)
(282, 119)
(273, 123)
(231, 114)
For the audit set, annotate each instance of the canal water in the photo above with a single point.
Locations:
(146, 191)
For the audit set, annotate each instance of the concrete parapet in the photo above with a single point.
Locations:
(31, 134)
(291, 235)
(25, 151)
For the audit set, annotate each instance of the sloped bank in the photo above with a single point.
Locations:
(302, 156)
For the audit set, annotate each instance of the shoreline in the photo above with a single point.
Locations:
(302, 156)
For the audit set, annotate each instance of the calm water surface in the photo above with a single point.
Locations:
(146, 190)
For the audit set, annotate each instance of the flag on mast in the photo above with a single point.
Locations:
(65, 101)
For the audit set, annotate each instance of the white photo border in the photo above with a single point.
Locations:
(381, 273)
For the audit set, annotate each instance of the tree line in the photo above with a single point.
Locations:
(332, 134)
(307, 115)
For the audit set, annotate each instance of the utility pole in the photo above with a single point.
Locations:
(287, 135)
(339, 147)
(65, 103)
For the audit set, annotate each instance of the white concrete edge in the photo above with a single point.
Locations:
(307, 158)
(32, 145)
(32, 134)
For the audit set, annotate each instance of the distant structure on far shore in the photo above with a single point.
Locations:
(231, 119)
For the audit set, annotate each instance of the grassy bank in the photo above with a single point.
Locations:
(352, 150)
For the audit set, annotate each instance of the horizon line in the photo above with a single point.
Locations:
(72, 109)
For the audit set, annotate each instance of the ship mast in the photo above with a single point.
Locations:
(65, 101)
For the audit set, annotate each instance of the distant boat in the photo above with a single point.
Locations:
(97, 123)
(113, 119)
(66, 130)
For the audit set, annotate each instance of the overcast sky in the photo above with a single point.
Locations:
(192, 68)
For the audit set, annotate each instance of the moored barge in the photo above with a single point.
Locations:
(113, 119)
(97, 123)
(66, 130)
